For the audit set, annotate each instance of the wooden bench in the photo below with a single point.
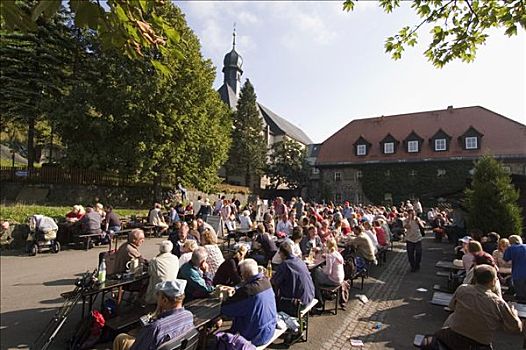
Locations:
(521, 309)
(441, 298)
(281, 328)
(332, 291)
(381, 256)
(87, 239)
(304, 317)
(442, 274)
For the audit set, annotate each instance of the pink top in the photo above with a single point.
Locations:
(380, 236)
(334, 267)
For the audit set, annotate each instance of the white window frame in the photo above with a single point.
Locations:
(471, 142)
(412, 146)
(337, 176)
(315, 171)
(361, 150)
(389, 148)
(442, 143)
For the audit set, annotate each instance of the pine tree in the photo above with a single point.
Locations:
(288, 165)
(249, 148)
(34, 68)
(492, 199)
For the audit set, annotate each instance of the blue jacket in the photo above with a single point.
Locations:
(253, 309)
(294, 281)
(517, 254)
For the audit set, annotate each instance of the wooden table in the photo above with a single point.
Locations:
(318, 261)
(92, 294)
(441, 298)
(451, 269)
(204, 311)
(448, 265)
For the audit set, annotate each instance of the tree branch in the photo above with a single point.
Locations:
(471, 9)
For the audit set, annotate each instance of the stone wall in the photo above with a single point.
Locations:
(122, 196)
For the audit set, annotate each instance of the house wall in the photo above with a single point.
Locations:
(391, 183)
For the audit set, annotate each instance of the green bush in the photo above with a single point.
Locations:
(19, 213)
(492, 199)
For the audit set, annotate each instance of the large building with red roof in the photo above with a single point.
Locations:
(425, 154)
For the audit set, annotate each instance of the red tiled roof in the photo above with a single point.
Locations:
(502, 136)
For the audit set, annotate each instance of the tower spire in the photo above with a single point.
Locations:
(234, 37)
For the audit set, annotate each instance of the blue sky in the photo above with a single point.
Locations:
(320, 67)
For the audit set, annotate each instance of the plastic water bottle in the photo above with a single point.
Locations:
(102, 271)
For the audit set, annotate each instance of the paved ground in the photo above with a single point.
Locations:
(30, 288)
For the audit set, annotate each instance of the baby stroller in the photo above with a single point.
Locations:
(42, 236)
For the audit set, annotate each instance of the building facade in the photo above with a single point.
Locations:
(275, 128)
(428, 155)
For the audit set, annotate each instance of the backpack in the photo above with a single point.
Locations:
(229, 341)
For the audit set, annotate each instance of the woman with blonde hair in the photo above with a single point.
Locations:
(188, 248)
(215, 256)
(228, 273)
(498, 255)
(332, 273)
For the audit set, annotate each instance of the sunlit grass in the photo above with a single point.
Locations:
(20, 212)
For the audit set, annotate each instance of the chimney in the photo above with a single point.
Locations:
(450, 109)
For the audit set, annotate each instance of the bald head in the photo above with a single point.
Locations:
(485, 275)
(136, 237)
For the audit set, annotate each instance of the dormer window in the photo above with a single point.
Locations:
(471, 142)
(413, 143)
(440, 141)
(388, 144)
(440, 145)
(361, 147)
(361, 150)
(471, 139)
(412, 146)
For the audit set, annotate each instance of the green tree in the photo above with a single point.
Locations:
(249, 148)
(34, 74)
(288, 165)
(131, 26)
(121, 116)
(492, 199)
(459, 27)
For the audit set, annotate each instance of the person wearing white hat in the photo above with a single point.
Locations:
(170, 320)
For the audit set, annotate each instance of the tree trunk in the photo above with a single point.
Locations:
(30, 143)
(247, 177)
(157, 188)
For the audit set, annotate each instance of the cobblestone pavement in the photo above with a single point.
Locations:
(395, 304)
(359, 324)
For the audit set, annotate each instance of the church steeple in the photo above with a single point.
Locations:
(232, 67)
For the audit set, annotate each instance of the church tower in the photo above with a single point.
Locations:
(232, 68)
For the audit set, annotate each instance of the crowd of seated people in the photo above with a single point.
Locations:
(288, 234)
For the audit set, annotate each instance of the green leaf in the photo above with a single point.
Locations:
(161, 68)
(172, 34)
(121, 14)
(46, 7)
(512, 30)
(88, 15)
(14, 18)
(348, 5)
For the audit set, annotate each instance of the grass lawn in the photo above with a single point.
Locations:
(19, 213)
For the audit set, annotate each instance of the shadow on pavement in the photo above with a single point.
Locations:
(61, 282)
